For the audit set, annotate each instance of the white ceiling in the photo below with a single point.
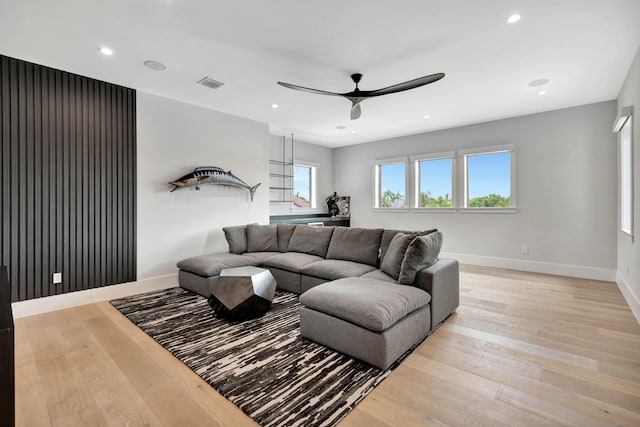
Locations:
(585, 48)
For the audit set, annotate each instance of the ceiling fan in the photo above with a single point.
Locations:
(357, 96)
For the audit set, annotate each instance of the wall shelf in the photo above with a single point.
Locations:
(281, 175)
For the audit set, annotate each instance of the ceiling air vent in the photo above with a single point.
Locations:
(213, 84)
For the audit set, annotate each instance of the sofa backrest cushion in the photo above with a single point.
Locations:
(285, 231)
(421, 253)
(387, 236)
(236, 238)
(392, 261)
(355, 244)
(262, 238)
(310, 240)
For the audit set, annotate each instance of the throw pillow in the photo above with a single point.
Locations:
(311, 240)
(387, 236)
(285, 231)
(262, 238)
(421, 253)
(236, 238)
(355, 244)
(394, 255)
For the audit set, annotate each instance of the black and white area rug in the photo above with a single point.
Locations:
(263, 365)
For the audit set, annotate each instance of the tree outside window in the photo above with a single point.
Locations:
(488, 180)
(435, 186)
(391, 183)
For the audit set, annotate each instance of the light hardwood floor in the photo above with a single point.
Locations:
(522, 349)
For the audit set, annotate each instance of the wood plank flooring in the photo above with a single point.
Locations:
(522, 349)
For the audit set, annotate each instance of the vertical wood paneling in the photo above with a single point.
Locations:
(68, 162)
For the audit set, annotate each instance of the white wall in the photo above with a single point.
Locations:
(629, 251)
(304, 151)
(566, 180)
(173, 139)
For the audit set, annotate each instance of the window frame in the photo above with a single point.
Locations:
(313, 196)
(376, 184)
(415, 163)
(626, 187)
(463, 156)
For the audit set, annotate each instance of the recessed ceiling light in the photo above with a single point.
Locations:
(353, 131)
(513, 18)
(155, 65)
(542, 92)
(539, 82)
(341, 127)
(426, 116)
(105, 51)
(274, 105)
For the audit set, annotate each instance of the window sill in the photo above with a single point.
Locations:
(627, 236)
(489, 210)
(434, 210)
(389, 210)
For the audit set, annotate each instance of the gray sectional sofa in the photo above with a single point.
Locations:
(369, 293)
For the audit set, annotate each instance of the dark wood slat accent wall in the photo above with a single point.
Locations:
(68, 180)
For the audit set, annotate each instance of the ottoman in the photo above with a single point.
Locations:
(371, 320)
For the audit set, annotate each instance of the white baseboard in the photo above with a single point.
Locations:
(106, 293)
(594, 273)
(629, 295)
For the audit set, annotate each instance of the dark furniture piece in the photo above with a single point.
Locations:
(242, 293)
(311, 219)
(7, 373)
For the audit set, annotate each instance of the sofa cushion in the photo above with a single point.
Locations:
(290, 261)
(379, 275)
(285, 231)
(388, 235)
(332, 269)
(422, 252)
(259, 257)
(310, 240)
(372, 304)
(355, 244)
(236, 238)
(262, 238)
(394, 256)
(212, 264)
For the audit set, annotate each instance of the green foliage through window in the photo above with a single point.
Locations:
(491, 201)
(426, 201)
(391, 199)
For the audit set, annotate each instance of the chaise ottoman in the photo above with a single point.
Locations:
(371, 320)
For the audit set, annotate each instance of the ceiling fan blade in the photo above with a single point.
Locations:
(355, 111)
(411, 84)
(308, 89)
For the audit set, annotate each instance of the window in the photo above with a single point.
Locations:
(488, 178)
(304, 185)
(624, 125)
(434, 181)
(390, 184)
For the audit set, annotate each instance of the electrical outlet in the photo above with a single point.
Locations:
(525, 250)
(57, 278)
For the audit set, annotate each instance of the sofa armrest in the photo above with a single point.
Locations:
(442, 281)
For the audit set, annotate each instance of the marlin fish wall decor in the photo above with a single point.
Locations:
(212, 175)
